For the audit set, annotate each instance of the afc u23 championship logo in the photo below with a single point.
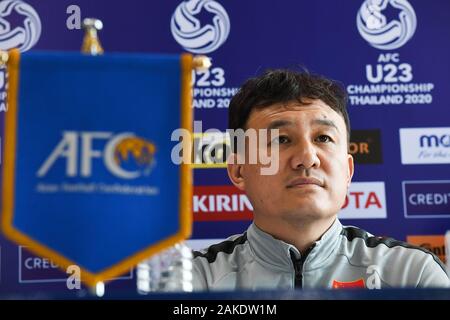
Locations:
(26, 34)
(382, 34)
(197, 36)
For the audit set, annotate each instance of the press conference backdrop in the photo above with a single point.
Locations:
(392, 58)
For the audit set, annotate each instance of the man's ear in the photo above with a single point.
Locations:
(351, 169)
(235, 171)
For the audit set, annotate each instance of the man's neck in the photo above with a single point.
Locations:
(301, 234)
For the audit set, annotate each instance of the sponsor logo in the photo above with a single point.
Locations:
(374, 27)
(220, 203)
(198, 36)
(348, 284)
(211, 150)
(27, 28)
(365, 146)
(365, 200)
(433, 243)
(426, 199)
(425, 145)
(34, 269)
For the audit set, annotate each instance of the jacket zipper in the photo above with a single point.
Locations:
(298, 267)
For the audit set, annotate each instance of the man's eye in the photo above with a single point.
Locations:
(324, 138)
(281, 140)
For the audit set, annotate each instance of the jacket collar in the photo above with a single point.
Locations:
(277, 253)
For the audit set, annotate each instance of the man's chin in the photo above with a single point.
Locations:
(311, 210)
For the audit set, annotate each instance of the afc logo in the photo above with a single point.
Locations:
(124, 155)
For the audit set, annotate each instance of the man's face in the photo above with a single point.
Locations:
(314, 166)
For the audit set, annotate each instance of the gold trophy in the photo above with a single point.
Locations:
(91, 43)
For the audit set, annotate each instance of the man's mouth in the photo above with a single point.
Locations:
(299, 182)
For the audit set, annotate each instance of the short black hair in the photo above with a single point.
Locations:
(283, 86)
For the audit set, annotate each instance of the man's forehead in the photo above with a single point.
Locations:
(293, 111)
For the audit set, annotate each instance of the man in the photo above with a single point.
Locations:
(295, 239)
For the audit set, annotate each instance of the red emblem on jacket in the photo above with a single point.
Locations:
(348, 285)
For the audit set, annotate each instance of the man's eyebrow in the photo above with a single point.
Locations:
(325, 122)
(280, 123)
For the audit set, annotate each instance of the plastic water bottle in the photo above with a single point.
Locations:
(166, 271)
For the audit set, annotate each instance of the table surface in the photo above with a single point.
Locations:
(306, 294)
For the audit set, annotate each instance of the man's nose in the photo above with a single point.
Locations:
(305, 156)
